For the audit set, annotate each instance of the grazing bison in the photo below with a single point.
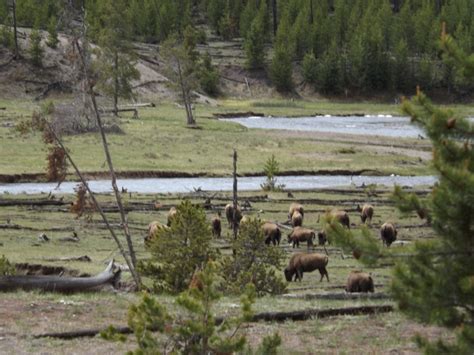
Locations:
(300, 234)
(153, 228)
(359, 281)
(388, 232)
(294, 207)
(322, 238)
(229, 214)
(297, 219)
(366, 212)
(272, 233)
(216, 225)
(340, 216)
(301, 262)
(171, 215)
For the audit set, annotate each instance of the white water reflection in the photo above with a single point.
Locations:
(380, 125)
(182, 185)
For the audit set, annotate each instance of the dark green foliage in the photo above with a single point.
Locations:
(254, 262)
(52, 33)
(281, 68)
(195, 332)
(36, 50)
(177, 252)
(254, 43)
(6, 268)
(310, 69)
(6, 37)
(329, 72)
(271, 170)
(209, 76)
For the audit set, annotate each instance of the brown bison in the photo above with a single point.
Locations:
(340, 216)
(297, 219)
(300, 234)
(366, 212)
(301, 262)
(359, 281)
(322, 238)
(295, 207)
(388, 232)
(272, 233)
(171, 215)
(216, 225)
(153, 229)
(229, 214)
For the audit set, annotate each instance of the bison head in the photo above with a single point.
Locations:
(288, 274)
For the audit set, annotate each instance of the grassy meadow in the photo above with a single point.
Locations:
(159, 141)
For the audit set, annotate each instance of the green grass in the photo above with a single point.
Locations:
(159, 141)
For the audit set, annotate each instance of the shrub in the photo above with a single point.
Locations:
(271, 169)
(310, 68)
(253, 262)
(36, 51)
(178, 251)
(208, 76)
(196, 332)
(6, 268)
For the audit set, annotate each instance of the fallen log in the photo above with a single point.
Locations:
(61, 284)
(52, 229)
(34, 202)
(339, 296)
(238, 114)
(84, 258)
(267, 317)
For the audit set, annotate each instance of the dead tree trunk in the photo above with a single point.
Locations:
(235, 224)
(116, 84)
(15, 34)
(60, 283)
(186, 99)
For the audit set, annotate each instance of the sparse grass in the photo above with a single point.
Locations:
(25, 312)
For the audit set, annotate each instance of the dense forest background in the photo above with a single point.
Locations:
(340, 46)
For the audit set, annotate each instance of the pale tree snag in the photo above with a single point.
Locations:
(235, 225)
(130, 265)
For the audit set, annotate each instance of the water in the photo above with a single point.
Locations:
(380, 125)
(183, 185)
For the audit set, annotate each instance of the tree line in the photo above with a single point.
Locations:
(340, 46)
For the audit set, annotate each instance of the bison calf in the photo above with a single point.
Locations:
(359, 281)
(300, 263)
(388, 233)
(216, 225)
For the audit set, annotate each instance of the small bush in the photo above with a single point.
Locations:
(180, 250)
(346, 151)
(196, 331)
(208, 76)
(6, 268)
(254, 262)
(271, 169)
(53, 40)
(36, 51)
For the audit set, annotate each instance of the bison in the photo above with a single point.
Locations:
(216, 225)
(229, 214)
(301, 262)
(171, 215)
(366, 212)
(153, 229)
(359, 281)
(272, 233)
(388, 233)
(300, 234)
(297, 219)
(294, 207)
(340, 216)
(322, 238)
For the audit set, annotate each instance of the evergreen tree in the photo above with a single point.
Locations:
(435, 284)
(36, 50)
(52, 33)
(178, 251)
(115, 64)
(254, 43)
(310, 70)
(247, 17)
(208, 76)
(402, 77)
(329, 71)
(281, 68)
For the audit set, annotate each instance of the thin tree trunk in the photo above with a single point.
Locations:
(116, 84)
(187, 106)
(97, 206)
(15, 35)
(275, 23)
(311, 15)
(234, 197)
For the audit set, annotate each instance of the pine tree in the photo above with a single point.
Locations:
(310, 70)
(52, 33)
(254, 42)
(35, 50)
(115, 64)
(436, 284)
(281, 68)
(208, 76)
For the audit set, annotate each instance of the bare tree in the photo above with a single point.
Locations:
(15, 35)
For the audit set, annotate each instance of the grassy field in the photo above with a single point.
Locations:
(160, 142)
(26, 313)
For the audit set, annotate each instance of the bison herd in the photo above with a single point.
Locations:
(299, 262)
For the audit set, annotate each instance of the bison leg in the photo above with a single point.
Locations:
(299, 274)
(323, 272)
